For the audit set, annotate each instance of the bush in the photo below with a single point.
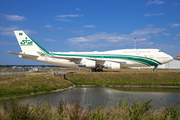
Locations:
(137, 110)
(122, 111)
(172, 112)
(76, 112)
(14, 111)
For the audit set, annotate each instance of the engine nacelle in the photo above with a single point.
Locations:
(88, 64)
(113, 66)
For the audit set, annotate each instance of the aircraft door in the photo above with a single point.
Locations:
(46, 59)
(151, 56)
(137, 51)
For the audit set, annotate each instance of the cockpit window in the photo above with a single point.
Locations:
(160, 51)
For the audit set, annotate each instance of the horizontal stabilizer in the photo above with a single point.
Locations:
(25, 55)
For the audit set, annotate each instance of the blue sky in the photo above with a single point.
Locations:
(89, 25)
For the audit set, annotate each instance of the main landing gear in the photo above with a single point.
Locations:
(96, 70)
(155, 68)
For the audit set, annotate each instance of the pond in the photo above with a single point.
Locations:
(109, 96)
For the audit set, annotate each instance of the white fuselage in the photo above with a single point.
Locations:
(128, 60)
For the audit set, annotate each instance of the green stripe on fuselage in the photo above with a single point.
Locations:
(140, 59)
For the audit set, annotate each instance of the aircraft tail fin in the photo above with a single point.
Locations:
(27, 44)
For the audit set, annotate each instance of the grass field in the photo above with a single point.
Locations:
(12, 87)
(23, 86)
(126, 78)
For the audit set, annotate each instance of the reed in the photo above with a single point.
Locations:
(64, 111)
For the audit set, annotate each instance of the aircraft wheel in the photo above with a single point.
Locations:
(95, 70)
(155, 68)
(100, 70)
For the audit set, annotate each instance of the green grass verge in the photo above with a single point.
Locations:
(21, 86)
(117, 78)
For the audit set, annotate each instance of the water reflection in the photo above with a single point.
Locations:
(106, 97)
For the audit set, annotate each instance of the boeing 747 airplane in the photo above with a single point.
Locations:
(95, 61)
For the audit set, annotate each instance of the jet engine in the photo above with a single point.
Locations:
(88, 64)
(113, 66)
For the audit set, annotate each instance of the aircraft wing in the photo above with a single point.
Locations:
(98, 60)
(78, 59)
(103, 60)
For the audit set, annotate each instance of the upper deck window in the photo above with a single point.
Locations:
(125, 51)
(142, 51)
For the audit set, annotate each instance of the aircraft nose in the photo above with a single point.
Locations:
(170, 58)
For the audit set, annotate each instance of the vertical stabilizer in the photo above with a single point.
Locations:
(27, 44)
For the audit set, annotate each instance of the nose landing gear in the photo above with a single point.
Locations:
(155, 68)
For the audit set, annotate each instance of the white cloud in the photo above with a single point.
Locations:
(50, 40)
(7, 43)
(103, 36)
(154, 14)
(175, 38)
(166, 47)
(142, 39)
(78, 9)
(175, 25)
(63, 20)
(48, 26)
(9, 28)
(59, 28)
(80, 31)
(150, 25)
(155, 2)
(178, 35)
(29, 31)
(115, 39)
(9, 31)
(146, 31)
(78, 39)
(176, 3)
(167, 34)
(15, 17)
(89, 26)
(63, 16)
